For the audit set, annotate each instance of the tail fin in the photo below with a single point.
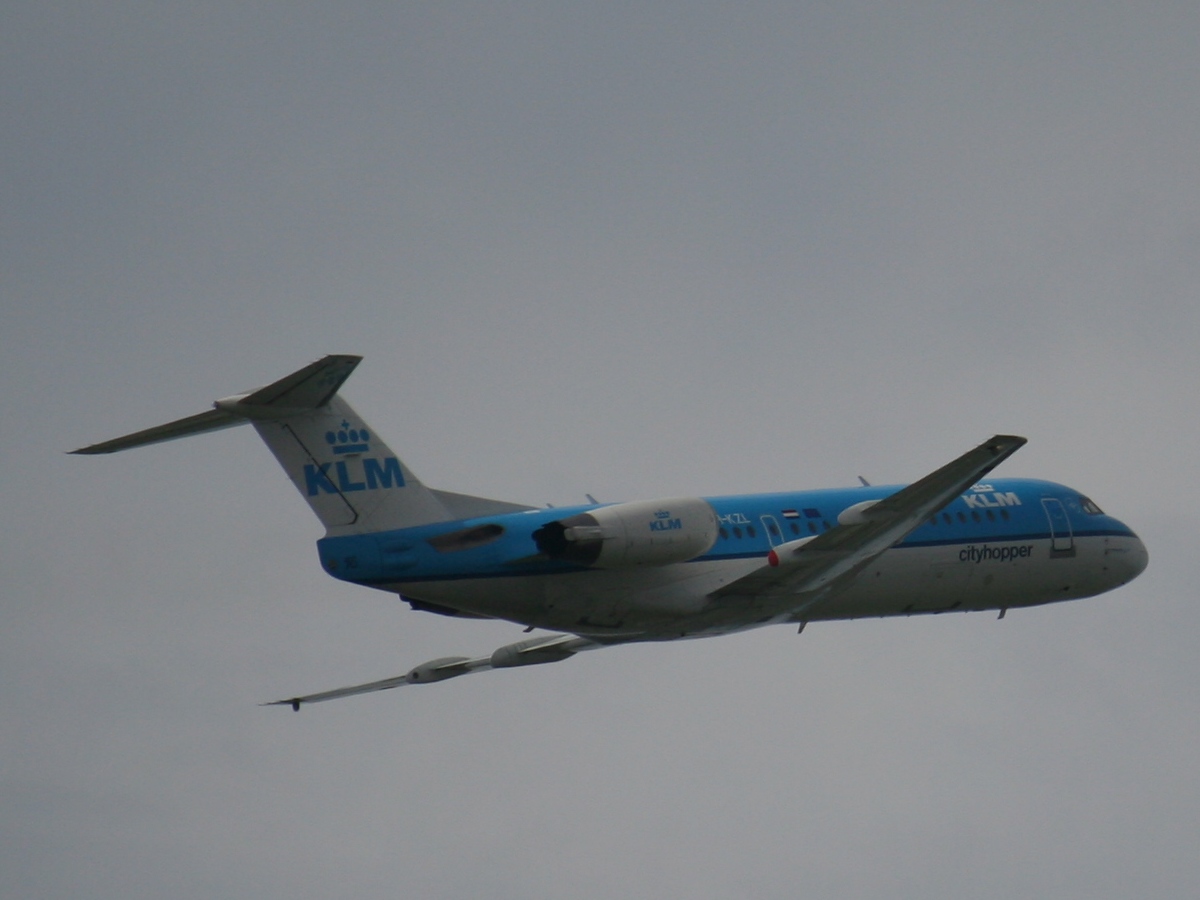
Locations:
(350, 478)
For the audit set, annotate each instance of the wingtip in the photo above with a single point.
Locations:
(294, 703)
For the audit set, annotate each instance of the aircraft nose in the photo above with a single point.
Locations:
(1127, 557)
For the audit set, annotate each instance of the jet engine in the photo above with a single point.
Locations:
(645, 533)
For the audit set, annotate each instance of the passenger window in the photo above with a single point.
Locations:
(737, 532)
(724, 534)
(974, 516)
(795, 528)
(750, 531)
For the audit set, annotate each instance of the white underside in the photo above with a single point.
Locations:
(673, 601)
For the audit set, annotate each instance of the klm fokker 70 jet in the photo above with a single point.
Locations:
(676, 567)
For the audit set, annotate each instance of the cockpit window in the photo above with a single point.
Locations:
(1089, 507)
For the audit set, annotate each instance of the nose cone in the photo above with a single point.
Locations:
(1126, 558)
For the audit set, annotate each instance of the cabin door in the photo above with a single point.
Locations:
(774, 532)
(1062, 540)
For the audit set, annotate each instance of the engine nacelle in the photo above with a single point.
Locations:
(643, 533)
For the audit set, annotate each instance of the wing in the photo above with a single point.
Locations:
(533, 651)
(802, 573)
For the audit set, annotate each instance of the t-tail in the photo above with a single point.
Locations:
(349, 476)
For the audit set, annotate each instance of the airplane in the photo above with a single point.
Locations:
(601, 574)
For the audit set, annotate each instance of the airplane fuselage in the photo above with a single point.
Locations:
(1005, 543)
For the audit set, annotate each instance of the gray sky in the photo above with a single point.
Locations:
(610, 248)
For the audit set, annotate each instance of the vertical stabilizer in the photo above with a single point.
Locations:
(349, 476)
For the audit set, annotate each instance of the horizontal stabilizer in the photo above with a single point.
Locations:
(307, 389)
(310, 388)
(212, 420)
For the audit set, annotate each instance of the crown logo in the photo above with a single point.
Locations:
(348, 440)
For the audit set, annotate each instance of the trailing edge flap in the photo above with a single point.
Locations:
(309, 388)
(831, 560)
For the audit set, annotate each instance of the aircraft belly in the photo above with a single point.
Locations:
(618, 602)
(965, 578)
(517, 598)
(665, 602)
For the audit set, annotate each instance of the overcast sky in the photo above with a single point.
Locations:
(635, 250)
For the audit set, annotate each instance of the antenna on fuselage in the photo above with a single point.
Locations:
(864, 481)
